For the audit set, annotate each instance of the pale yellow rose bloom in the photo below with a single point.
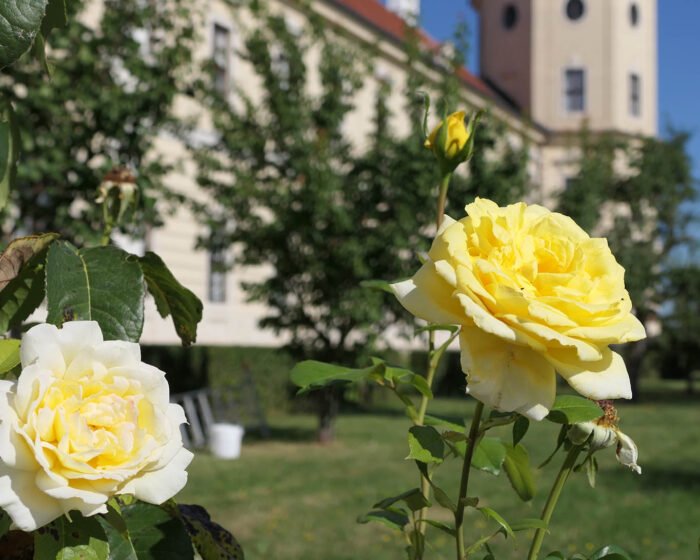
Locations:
(86, 420)
(457, 136)
(534, 295)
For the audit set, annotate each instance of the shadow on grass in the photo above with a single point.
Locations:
(287, 434)
(659, 478)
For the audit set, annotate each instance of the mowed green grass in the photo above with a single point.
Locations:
(290, 498)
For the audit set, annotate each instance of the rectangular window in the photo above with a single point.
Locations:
(635, 95)
(222, 58)
(217, 276)
(575, 90)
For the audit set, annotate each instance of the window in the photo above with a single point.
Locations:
(510, 16)
(575, 9)
(575, 90)
(221, 57)
(217, 276)
(635, 95)
(634, 14)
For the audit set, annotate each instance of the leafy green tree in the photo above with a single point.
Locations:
(679, 342)
(292, 192)
(109, 95)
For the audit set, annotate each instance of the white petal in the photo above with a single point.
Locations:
(28, 506)
(75, 336)
(156, 487)
(627, 452)
(605, 379)
(506, 376)
(40, 345)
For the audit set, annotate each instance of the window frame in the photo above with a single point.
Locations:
(221, 63)
(635, 94)
(217, 277)
(570, 91)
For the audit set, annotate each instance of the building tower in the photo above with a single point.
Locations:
(566, 62)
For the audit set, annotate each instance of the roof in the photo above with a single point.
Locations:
(390, 24)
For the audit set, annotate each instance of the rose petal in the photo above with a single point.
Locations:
(627, 452)
(605, 379)
(28, 506)
(509, 377)
(428, 297)
(157, 486)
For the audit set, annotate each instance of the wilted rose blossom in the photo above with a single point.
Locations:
(86, 420)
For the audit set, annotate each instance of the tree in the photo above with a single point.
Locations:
(290, 191)
(650, 208)
(109, 95)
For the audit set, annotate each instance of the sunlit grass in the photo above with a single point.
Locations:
(289, 498)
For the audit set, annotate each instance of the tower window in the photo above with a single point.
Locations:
(634, 14)
(635, 95)
(575, 9)
(217, 276)
(221, 58)
(575, 90)
(510, 16)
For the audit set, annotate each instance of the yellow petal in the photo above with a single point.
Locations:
(605, 379)
(628, 329)
(429, 297)
(507, 377)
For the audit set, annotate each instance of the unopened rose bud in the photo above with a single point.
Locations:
(452, 141)
(117, 193)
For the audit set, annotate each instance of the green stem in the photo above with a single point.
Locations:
(434, 358)
(552, 499)
(442, 198)
(464, 484)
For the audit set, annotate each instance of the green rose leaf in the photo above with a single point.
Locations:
(22, 278)
(9, 151)
(498, 518)
(517, 467)
(393, 518)
(413, 498)
(19, 23)
(310, 374)
(444, 527)
(81, 552)
(431, 420)
(572, 409)
(172, 298)
(425, 444)
(146, 532)
(9, 355)
(520, 427)
(610, 552)
(211, 540)
(103, 284)
(555, 556)
(71, 539)
(489, 455)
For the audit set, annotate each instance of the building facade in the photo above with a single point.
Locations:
(548, 68)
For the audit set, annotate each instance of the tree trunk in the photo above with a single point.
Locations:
(634, 365)
(328, 406)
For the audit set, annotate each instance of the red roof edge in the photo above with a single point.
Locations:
(389, 23)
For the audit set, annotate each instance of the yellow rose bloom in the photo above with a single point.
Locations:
(534, 295)
(457, 136)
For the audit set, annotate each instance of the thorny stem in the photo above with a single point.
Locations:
(552, 499)
(464, 484)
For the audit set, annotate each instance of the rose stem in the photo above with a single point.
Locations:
(552, 499)
(433, 364)
(464, 484)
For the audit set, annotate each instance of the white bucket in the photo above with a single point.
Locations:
(225, 440)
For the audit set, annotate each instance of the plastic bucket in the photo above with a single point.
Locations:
(225, 440)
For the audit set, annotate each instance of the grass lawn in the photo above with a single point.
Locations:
(290, 498)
